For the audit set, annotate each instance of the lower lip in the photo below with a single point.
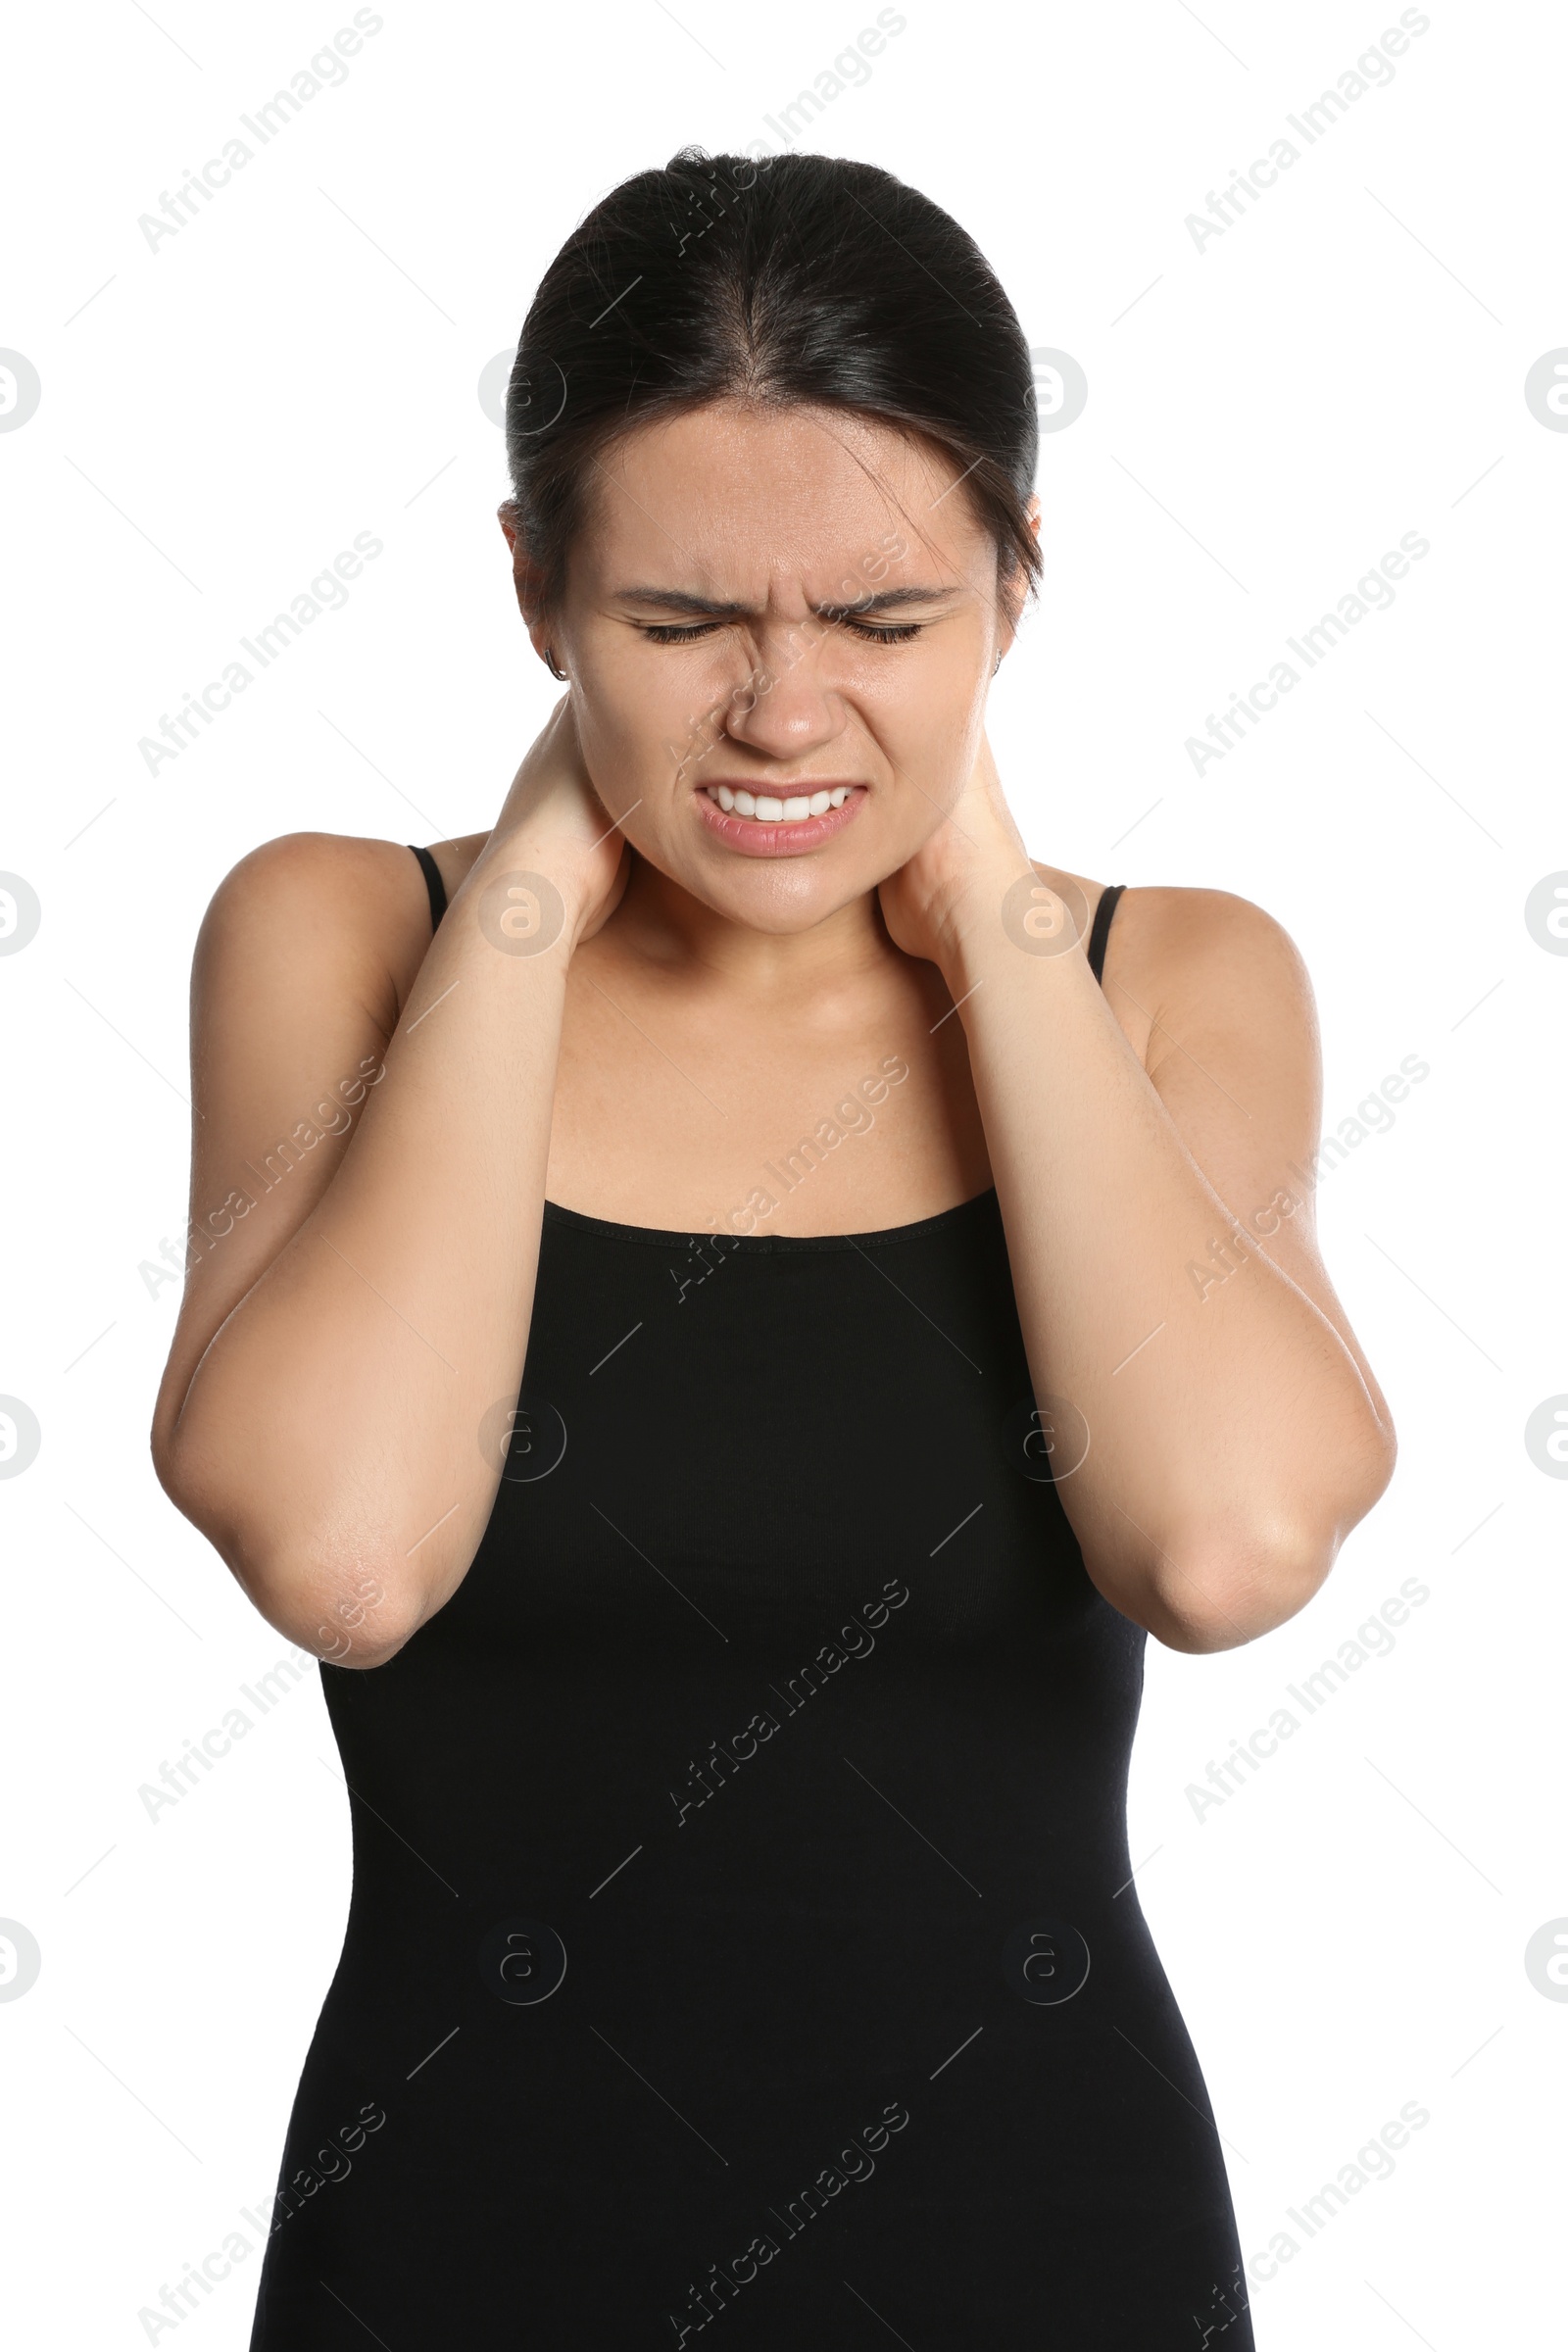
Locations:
(776, 840)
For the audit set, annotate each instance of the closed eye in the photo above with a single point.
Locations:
(669, 633)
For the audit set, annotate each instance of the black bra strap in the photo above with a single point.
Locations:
(432, 882)
(1100, 929)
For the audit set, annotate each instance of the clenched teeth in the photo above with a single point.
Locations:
(770, 811)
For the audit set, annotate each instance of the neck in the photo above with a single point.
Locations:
(660, 920)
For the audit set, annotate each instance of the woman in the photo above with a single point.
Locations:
(802, 1293)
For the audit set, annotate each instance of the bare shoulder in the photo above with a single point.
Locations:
(306, 874)
(312, 908)
(1230, 1044)
(1212, 969)
(1180, 961)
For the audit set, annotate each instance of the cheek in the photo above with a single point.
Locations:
(645, 749)
(928, 723)
(624, 720)
(643, 708)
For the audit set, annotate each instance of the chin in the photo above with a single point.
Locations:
(782, 897)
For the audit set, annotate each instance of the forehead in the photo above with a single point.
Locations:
(731, 494)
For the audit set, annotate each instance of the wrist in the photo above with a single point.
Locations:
(530, 891)
(1007, 917)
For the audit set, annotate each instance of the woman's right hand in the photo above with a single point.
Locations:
(553, 823)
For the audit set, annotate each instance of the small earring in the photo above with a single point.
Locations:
(996, 665)
(550, 664)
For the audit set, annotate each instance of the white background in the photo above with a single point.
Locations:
(220, 416)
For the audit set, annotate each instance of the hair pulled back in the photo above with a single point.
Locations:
(797, 279)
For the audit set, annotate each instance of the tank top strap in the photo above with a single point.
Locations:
(432, 882)
(1100, 929)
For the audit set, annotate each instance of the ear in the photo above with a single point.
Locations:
(526, 577)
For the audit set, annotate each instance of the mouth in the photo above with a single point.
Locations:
(782, 824)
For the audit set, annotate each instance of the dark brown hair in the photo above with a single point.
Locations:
(798, 279)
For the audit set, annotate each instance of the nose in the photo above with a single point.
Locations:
(789, 707)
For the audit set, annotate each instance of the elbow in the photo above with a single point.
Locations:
(1220, 1588)
(349, 1615)
(1220, 1582)
(1233, 1599)
(1218, 1593)
(342, 1605)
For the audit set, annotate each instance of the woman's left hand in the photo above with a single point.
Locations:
(967, 865)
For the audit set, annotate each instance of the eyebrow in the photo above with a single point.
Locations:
(677, 600)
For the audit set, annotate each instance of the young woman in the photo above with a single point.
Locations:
(789, 1296)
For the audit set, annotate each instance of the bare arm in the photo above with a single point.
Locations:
(338, 1351)
(1235, 1433)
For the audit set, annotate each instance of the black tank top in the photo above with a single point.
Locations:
(743, 1934)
